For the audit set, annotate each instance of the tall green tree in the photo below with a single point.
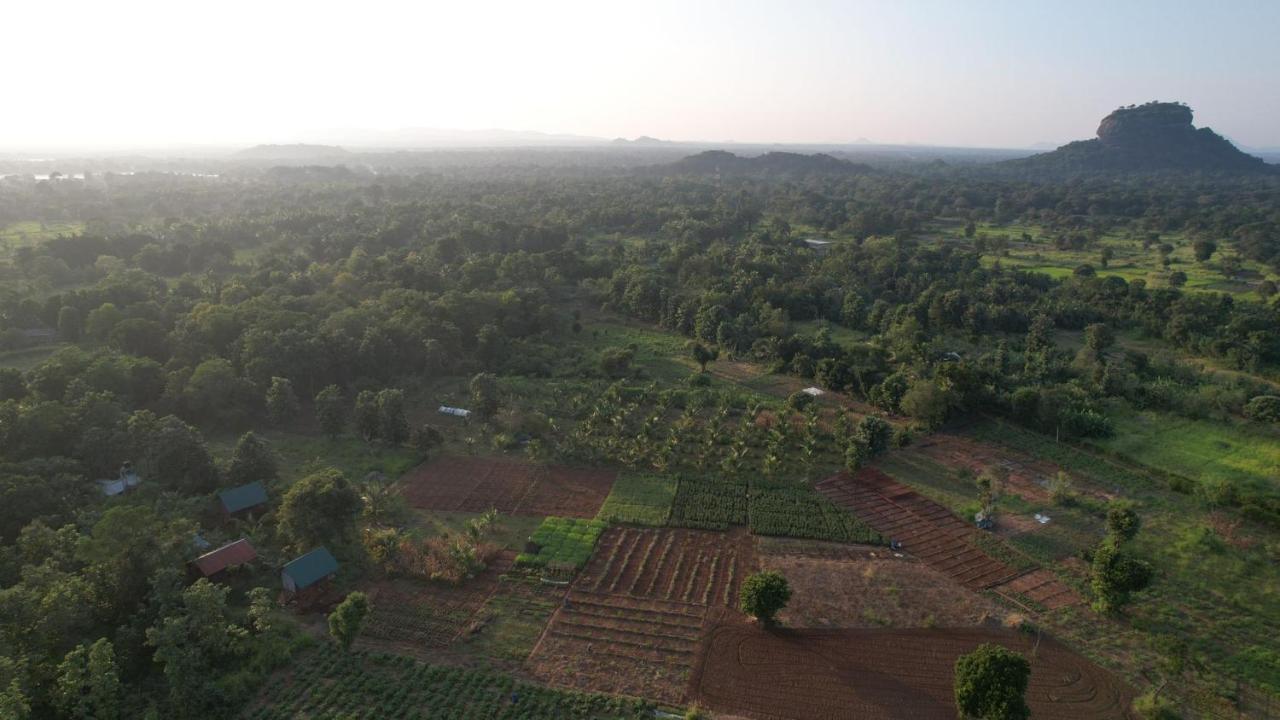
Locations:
(393, 427)
(331, 411)
(991, 684)
(88, 686)
(282, 402)
(367, 419)
(764, 595)
(195, 643)
(252, 461)
(346, 620)
(484, 395)
(319, 509)
(70, 323)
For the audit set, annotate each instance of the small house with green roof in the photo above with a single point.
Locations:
(242, 499)
(309, 571)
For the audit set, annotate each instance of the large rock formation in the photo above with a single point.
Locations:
(1154, 137)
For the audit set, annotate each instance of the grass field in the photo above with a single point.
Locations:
(640, 500)
(30, 232)
(1209, 453)
(1129, 260)
(27, 358)
(300, 455)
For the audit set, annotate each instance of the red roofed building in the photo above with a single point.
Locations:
(215, 562)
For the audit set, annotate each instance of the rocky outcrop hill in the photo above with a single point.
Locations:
(1155, 137)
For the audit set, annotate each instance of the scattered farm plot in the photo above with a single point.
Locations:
(476, 484)
(927, 530)
(633, 620)
(881, 591)
(410, 616)
(690, 566)
(884, 674)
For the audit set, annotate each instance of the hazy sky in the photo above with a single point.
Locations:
(965, 72)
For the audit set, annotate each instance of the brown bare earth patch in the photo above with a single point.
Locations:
(876, 592)
(786, 674)
(476, 484)
(925, 529)
(411, 615)
(633, 619)
(1029, 477)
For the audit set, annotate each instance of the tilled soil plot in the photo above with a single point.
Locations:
(884, 674)
(476, 484)
(633, 620)
(932, 533)
(881, 591)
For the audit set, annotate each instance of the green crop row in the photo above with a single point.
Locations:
(563, 541)
(331, 684)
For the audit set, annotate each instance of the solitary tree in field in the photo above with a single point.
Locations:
(484, 395)
(764, 595)
(991, 684)
(346, 619)
(703, 354)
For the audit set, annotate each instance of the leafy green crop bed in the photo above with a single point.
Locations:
(639, 500)
(799, 511)
(566, 541)
(329, 684)
(709, 504)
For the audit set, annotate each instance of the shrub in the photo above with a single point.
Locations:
(1263, 408)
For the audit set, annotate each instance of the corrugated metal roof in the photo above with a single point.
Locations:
(235, 553)
(311, 568)
(243, 497)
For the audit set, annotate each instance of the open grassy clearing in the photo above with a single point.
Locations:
(1216, 580)
(1129, 260)
(25, 359)
(27, 233)
(1210, 453)
(300, 455)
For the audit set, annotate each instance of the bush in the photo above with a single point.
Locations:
(799, 400)
(991, 683)
(1263, 408)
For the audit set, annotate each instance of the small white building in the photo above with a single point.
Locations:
(456, 412)
(821, 247)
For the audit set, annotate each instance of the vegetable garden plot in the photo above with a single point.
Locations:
(476, 484)
(412, 615)
(620, 644)
(632, 622)
(690, 566)
(331, 684)
(881, 674)
(926, 529)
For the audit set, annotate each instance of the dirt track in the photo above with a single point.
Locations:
(884, 674)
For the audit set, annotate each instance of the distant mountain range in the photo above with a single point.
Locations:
(298, 151)
(1155, 137)
(726, 163)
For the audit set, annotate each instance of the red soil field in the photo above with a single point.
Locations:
(632, 621)
(929, 531)
(879, 674)
(476, 484)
